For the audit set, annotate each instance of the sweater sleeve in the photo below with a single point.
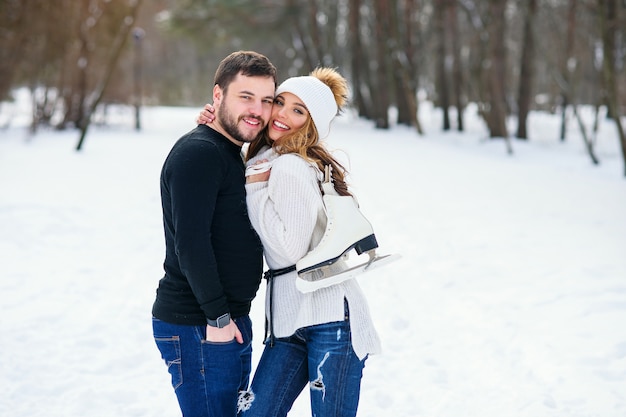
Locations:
(284, 210)
(193, 183)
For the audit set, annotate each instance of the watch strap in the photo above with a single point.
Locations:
(221, 322)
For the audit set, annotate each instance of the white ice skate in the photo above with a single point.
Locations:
(346, 229)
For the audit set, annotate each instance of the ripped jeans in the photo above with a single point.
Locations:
(321, 356)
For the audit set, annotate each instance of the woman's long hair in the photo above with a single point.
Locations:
(305, 141)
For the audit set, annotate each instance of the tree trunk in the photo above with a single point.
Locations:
(457, 74)
(400, 94)
(527, 66)
(356, 57)
(583, 132)
(568, 65)
(83, 64)
(412, 47)
(14, 21)
(382, 101)
(608, 27)
(496, 115)
(443, 90)
(138, 35)
(398, 69)
(478, 56)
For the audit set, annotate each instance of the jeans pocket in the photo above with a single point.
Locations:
(208, 342)
(170, 352)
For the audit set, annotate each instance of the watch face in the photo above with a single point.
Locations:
(222, 321)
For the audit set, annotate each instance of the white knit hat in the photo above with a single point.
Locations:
(317, 97)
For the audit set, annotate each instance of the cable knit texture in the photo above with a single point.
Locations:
(288, 214)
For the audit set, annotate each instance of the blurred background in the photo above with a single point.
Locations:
(77, 57)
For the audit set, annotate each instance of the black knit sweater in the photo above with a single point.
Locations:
(213, 260)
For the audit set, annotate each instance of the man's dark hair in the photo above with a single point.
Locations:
(248, 63)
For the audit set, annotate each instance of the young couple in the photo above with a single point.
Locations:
(213, 260)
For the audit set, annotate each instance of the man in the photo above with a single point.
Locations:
(213, 260)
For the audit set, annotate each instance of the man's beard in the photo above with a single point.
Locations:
(230, 124)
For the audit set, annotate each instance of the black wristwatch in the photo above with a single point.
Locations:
(222, 321)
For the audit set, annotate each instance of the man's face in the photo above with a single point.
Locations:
(245, 108)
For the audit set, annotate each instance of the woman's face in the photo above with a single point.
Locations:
(288, 115)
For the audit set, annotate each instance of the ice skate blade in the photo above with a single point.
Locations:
(366, 244)
(324, 277)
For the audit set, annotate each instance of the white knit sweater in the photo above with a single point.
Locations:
(288, 214)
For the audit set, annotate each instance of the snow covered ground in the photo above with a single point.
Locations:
(509, 300)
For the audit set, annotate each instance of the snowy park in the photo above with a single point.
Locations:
(509, 299)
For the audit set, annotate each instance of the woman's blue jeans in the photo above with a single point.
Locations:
(321, 356)
(207, 377)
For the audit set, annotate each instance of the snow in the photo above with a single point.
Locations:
(509, 299)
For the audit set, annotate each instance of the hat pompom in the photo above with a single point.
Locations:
(335, 81)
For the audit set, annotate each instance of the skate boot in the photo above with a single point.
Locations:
(346, 229)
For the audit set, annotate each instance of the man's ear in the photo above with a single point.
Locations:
(218, 95)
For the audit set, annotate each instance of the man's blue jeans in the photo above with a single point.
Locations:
(207, 377)
(321, 356)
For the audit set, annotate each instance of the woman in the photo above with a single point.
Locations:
(323, 337)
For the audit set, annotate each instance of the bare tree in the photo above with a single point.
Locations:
(406, 72)
(496, 72)
(477, 42)
(397, 71)
(569, 64)
(487, 63)
(357, 58)
(457, 72)
(115, 52)
(14, 18)
(443, 89)
(527, 66)
(608, 16)
(382, 31)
